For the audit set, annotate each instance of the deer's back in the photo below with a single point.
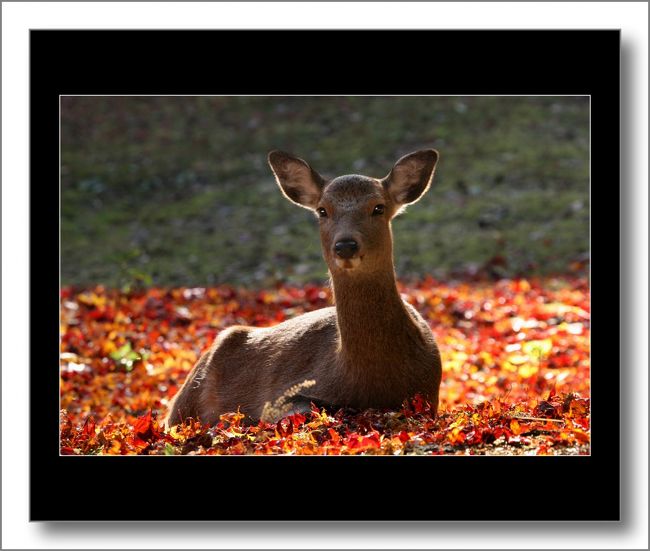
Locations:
(247, 367)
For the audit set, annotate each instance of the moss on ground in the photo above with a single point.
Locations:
(176, 190)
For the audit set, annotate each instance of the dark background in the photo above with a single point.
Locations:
(177, 190)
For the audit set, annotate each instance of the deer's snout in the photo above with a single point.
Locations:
(346, 248)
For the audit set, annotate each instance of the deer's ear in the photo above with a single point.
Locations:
(411, 176)
(299, 183)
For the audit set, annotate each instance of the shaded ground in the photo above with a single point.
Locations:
(176, 191)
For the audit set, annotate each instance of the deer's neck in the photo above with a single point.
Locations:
(372, 319)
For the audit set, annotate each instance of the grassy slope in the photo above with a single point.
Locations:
(177, 190)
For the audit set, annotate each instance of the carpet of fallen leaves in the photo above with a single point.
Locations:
(515, 356)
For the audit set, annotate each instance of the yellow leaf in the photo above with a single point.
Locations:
(517, 359)
(538, 349)
(528, 370)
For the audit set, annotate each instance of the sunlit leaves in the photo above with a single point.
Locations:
(515, 356)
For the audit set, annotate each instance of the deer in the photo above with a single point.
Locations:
(372, 349)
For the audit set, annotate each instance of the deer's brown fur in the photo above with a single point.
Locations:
(371, 349)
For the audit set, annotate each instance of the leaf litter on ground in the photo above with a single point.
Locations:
(516, 381)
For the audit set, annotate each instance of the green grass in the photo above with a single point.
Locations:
(176, 190)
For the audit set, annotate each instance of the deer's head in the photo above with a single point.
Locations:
(355, 211)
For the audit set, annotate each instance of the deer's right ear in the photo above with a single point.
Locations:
(299, 183)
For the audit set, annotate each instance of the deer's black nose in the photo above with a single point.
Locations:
(346, 248)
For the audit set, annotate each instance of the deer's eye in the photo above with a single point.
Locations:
(379, 209)
(321, 212)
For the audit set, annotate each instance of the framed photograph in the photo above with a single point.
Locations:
(372, 265)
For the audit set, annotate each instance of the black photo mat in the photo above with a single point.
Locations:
(368, 62)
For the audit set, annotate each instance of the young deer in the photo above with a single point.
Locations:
(371, 349)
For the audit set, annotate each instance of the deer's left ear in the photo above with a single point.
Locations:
(411, 176)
